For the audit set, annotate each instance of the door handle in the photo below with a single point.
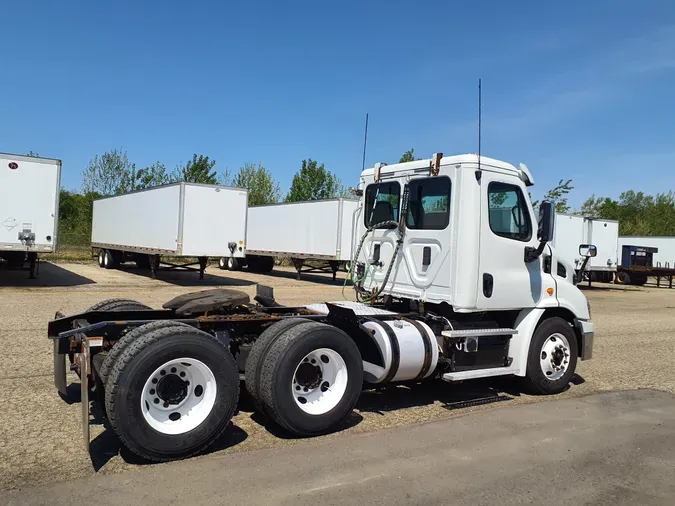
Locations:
(426, 255)
(488, 285)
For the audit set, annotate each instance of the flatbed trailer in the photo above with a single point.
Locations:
(638, 265)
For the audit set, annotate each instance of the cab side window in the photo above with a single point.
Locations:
(509, 214)
(382, 203)
(429, 203)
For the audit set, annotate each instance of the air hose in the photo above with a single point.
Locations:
(363, 295)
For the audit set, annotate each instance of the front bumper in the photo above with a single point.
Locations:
(585, 332)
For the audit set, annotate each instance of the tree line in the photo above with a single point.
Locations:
(112, 173)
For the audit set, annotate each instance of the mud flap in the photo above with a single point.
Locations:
(85, 367)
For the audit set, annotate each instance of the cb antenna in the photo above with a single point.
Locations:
(365, 143)
(479, 119)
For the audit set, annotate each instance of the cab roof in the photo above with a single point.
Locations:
(470, 160)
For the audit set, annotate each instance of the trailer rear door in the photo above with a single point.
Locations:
(29, 193)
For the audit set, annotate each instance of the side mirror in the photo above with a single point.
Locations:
(588, 250)
(546, 221)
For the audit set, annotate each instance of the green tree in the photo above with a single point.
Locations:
(314, 182)
(408, 156)
(637, 213)
(107, 174)
(558, 196)
(154, 175)
(198, 170)
(262, 187)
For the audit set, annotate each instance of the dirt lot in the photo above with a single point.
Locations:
(41, 437)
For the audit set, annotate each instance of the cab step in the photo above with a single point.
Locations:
(479, 332)
(479, 373)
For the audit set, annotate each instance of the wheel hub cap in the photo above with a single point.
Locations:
(320, 381)
(555, 357)
(172, 389)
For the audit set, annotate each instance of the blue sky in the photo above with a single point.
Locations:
(581, 90)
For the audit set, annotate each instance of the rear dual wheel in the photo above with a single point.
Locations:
(306, 376)
(171, 392)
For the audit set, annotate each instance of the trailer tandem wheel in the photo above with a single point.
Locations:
(172, 392)
(311, 379)
(256, 357)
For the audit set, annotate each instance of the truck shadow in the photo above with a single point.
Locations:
(107, 445)
(49, 275)
(325, 279)
(186, 278)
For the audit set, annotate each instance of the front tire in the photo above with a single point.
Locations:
(171, 393)
(311, 379)
(552, 358)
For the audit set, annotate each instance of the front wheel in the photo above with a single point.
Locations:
(172, 392)
(311, 379)
(552, 358)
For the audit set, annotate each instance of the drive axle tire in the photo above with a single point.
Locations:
(113, 354)
(311, 379)
(233, 264)
(101, 258)
(256, 357)
(552, 358)
(222, 263)
(172, 392)
(118, 305)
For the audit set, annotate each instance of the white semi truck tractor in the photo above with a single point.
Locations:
(455, 279)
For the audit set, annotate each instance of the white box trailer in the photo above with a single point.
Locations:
(604, 234)
(665, 257)
(318, 230)
(173, 220)
(29, 208)
(571, 231)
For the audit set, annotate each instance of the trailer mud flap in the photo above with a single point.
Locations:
(84, 390)
(59, 370)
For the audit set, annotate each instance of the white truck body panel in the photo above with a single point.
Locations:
(179, 219)
(29, 202)
(319, 229)
(570, 231)
(568, 234)
(604, 234)
(665, 257)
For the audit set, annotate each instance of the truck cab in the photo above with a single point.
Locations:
(458, 235)
(467, 232)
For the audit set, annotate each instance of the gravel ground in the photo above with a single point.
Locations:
(41, 436)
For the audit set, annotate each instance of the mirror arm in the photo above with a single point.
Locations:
(580, 274)
(531, 254)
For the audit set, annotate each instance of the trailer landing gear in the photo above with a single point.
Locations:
(33, 262)
(331, 266)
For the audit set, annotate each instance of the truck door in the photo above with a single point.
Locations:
(505, 280)
(428, 237)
